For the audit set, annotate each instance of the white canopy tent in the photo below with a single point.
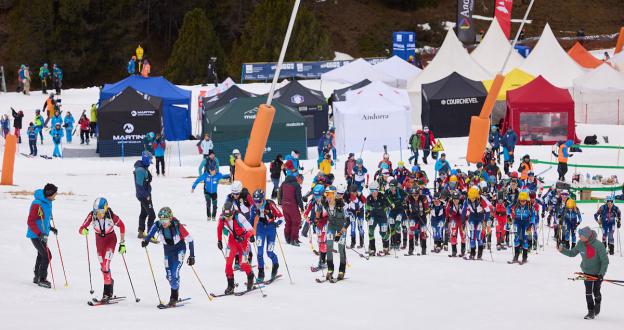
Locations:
(599, 97)
(398, 68)
(451, 57)
(552, 62)
(379, 113)
(493, 50)
(356, 71)
(618, 61)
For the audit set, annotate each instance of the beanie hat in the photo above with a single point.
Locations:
(49, 190)
(585, 231)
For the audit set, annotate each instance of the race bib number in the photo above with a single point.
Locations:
(371, 221)
(384, 228)
(391, 221)
(330, 236)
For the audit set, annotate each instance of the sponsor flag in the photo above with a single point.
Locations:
(502, 12)
(465, 29)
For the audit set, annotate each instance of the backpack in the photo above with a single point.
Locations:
(591, 139)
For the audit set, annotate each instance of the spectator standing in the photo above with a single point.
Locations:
(276, 172)
(159, 146)
(18, 116)
(84, 129)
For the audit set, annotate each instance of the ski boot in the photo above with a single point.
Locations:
(341, 276)
(597, 307)
(590, 315)
(260, 277)
(463, 250)
(525, 253)
(453, 251)
(250, 281)
(445, 247)
(515, 258)
(173, 299)
(410, 250)
(499, 247)
(611, 252)
(274, 271)
(36, 279)
(404, 245)
(371, 248)
(534, 245)
(480, 253)
(352, 242)
(473, 252)
(330, 275)
(107, 294)
(361, 242)
(230, 287)
(423, 244)
(141, 235)
(44, 283)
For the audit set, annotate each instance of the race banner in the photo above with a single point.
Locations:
(502, 12)
(299, 70)
(465, 29)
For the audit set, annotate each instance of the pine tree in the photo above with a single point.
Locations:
(264, 31)
(196, 43)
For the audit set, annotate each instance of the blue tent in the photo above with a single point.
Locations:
(176, 106)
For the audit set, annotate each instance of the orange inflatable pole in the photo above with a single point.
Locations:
(8, 162)
(480, 126)
(251, 171)
(620, 42)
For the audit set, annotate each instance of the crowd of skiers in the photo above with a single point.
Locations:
(50, 78)
(466, 212)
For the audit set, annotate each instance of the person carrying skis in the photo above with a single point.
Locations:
(360, 174)
(438, 224)
(240, 234)
(442, 165)
(475, 211)
(607, 216)
(396, 214)
(401, 173)
(266, 217)
(337, 225)
(522, 215)
(414, 146)
(68, 123)
(57, 137)
(594, 264)
(417, 211)
(104, 221)
(211, 185)
(325, 166)
(38, 230)
(569, 220)
(456, 225)
(175, 237)
(143, 186)
(385, 163)
(356, 203)
(376, 205)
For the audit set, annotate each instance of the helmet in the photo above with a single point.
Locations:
(235, 151)
(513, 175)
(318, 190)
(373, 186)
(526, 157)
(415, 189)
(415, 169)
(359, 161)
(228, 209)
(570, 203)
(341, 188)
(453, 178)
(400, 163)
(523, 196)
(331, 190)
(609, 199)
(479, 165)
(473, 193)
(386, 156)
(100, 206)
(146, 158)
(237, 187)
(258, 196)
(393, 183)
(437, 196)
(165, 214)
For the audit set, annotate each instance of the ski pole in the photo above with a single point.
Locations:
(58, 245)
(89, 264)
(149, 261)
(200, 282)
(362, 149)
(127, 272)
(279, 243)
(400, 148)
(259, 285)
(50, 262)
(358, 253)
(619, 242)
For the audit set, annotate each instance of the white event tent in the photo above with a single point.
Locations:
(398, 68)
(493, 49)
(599, 97)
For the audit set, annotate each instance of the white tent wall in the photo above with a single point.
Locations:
(398, 68)
(357, 71)
(599, 107)
(551, 61)
(493, 49)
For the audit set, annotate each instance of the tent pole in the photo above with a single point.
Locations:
(513, 45)
(122, 152)
(278, 69)
(179, 154)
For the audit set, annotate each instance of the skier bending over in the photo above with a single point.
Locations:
(241, 233)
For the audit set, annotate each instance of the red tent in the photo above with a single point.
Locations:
(540, 113)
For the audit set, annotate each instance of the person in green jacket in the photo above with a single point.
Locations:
(594, 264)
(93, 122)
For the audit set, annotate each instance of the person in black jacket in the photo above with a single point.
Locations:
(276, 172)
(17, 123)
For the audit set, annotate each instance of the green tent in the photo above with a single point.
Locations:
(229, 127)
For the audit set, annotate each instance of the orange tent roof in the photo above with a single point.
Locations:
(583, 57)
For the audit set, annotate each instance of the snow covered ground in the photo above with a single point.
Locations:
(432, 291)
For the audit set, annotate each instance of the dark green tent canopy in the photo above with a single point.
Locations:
(229, 127)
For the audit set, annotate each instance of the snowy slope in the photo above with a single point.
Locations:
(431, 291)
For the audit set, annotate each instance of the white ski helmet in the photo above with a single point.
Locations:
(235, 152)
(237, 187)
(341, 188)
(373, 186)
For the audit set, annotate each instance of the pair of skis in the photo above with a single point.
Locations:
(257, 286)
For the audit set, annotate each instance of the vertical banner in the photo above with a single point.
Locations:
(502, 12)
(465, 29)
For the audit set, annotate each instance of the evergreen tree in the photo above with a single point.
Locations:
(264, 31)
(196, 43)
